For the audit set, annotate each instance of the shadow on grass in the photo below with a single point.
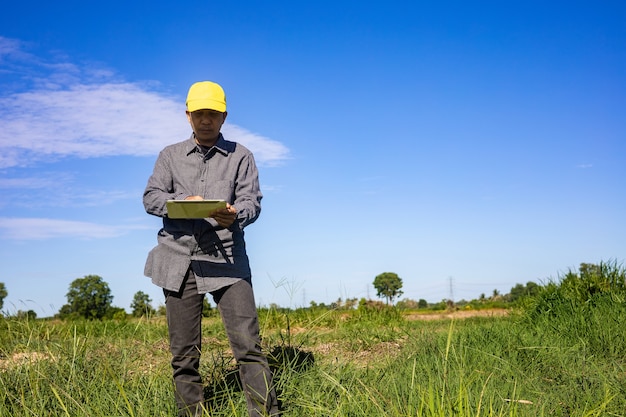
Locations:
(223, 379)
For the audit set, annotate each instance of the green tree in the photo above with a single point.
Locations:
(161, 311)
(141, 305)
(88, 297)
(3, 294)
(116, 313)
(207, 310)
(26, 315)
(388, 286)
(519, 291)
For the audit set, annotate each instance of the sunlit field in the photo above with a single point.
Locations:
(560, 353)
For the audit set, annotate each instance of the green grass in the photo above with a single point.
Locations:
(563, 354)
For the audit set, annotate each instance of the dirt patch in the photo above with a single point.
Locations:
(459, 314)
(23, 358)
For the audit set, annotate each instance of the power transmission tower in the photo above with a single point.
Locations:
(451, 298)
(451, 282)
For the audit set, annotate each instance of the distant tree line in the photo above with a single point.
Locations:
(28, 315)
(90, 297)
(3, 294)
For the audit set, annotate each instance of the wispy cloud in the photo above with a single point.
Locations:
(56, 189)
(44, 181)
(266, 151)
(86, 113)
(42, 228)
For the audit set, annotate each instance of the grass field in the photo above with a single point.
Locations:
(562, 353)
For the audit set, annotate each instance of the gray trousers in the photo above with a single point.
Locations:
(239, 315)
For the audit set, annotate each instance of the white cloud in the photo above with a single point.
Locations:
(12, 51)
(42, 181)
(41, 228)
(89, 118)
(56, 189)
(88, 121)
(266, 151)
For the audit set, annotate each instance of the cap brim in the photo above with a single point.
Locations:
(206, 104)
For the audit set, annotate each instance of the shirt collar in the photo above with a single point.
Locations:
(222, 145)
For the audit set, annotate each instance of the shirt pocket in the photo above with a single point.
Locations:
(220, 190)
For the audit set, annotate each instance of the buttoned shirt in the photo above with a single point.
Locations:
(216, 255)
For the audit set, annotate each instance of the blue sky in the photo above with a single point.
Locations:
(466, 146)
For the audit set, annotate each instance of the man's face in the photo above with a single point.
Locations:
(206, 124)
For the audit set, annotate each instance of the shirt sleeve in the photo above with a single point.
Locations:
(247, 192)
(160, 187)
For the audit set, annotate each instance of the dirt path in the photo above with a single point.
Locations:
(460, 314)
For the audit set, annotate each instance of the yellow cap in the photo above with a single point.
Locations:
(206, 95)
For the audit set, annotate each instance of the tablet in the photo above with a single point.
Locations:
(193, 209)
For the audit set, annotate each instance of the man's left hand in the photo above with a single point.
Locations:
(225, 217)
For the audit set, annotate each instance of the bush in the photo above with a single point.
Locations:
(579, 290)
(585, 309)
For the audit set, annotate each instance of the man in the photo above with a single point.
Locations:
(198, 256)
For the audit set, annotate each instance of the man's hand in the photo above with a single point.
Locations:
(225, 217)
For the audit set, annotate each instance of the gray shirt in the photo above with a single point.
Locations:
(216, 255)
